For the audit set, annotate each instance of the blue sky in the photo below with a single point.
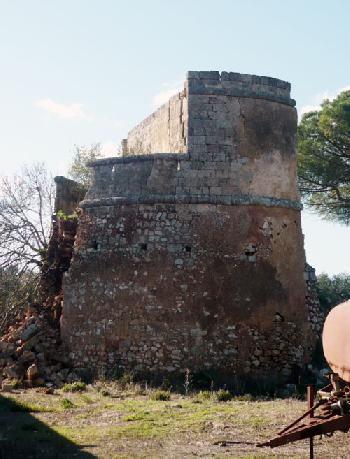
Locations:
(84, 71)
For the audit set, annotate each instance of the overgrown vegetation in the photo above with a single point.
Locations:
(333, 290)
(160, 395)
(67, 404)
(77, 386)
(62, 215)
(223, 395)
(204, 395)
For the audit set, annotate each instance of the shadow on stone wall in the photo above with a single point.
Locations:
(24, 436)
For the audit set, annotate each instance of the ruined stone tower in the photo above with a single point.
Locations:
(189, 251)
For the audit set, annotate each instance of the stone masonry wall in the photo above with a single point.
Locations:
(68, 195)
(195, 259)
(233, 123)
(247, 125)
(60, 249)
(163, 130)
(152, 288)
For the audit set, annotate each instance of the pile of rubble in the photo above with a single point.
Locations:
(31, 353)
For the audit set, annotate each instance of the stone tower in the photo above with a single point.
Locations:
(189, 251)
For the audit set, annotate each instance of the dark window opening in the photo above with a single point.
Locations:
(143, 246)
(188, 248)
(250, 251)
(95, 245)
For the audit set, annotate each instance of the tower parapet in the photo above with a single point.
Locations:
(239, 85)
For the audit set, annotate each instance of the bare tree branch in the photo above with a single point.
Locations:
(26, 202)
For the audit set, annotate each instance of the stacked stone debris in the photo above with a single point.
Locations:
(31, 352)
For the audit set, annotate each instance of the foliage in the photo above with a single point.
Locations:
(125, 379)
(244, 398)
(205, 395)
(63, 216)
(26, 206)
(67, 404)
(223, 395)
(333, 290)
(324, 158)
(160, 395)
(86, 399)
(83, 155)
(78, 386)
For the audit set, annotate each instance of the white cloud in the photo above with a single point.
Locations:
(110, 149)
(308, 108)
(169, 89)
(67, 111)
(331, 96)
(319, 98)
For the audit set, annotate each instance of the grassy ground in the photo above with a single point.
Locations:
(110, 422)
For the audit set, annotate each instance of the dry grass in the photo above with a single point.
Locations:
(109, 422)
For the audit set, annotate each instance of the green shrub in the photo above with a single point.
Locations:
(77, 386)
(61, 214)
(67, 404)
(126, 378)
(16, 383)
(244, 398)
(205, 395)
(223, 395)
(86, 399)
(160, 395)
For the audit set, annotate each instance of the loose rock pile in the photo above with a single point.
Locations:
(32, 354)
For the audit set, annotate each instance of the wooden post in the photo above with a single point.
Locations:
(310, 403)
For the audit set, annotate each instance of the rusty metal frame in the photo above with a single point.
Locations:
(308, 430)
(324, 424)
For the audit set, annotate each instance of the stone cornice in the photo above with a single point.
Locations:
(229, 200)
